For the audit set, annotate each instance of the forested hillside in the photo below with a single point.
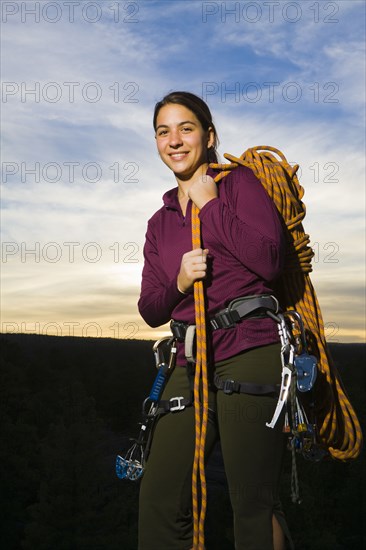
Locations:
(68, 406)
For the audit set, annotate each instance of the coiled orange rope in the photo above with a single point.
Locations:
(338, 425)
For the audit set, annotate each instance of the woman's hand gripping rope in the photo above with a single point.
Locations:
(202, 191)
(194, 263)
(193, 268)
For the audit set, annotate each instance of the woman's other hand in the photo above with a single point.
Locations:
(193, 267)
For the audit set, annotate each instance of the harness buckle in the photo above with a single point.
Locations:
(225, 319)
(179, 329)
(228, 386)
(179, 406)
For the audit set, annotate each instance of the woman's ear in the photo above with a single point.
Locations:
(210, 138)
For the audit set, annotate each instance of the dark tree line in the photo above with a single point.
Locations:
(69, 405)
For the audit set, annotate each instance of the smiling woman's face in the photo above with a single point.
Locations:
(182, 143)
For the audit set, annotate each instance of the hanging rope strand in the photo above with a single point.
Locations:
(201, 416)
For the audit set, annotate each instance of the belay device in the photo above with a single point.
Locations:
(132, 465)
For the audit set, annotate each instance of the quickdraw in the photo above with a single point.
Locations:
(132, 465)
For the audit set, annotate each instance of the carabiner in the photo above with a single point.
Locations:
(285, 386)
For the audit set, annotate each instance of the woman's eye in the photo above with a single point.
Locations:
(162, 132)
(186, 129)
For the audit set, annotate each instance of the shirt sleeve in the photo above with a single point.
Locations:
(159, 296)
(247, 224)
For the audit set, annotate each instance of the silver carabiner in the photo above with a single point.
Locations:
(285, 386)
(158, 353)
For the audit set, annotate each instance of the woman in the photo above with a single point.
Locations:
(241, 256)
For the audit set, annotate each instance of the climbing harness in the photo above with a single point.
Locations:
(245, 307)
(132, 465)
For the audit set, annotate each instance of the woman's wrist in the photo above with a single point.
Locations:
(180, 290)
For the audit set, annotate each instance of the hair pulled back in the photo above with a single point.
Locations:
(199, 108)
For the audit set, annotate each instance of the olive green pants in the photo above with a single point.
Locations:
(252, 455)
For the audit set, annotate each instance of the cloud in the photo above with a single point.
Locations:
(321, 51)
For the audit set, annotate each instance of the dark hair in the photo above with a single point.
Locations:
(199, 108)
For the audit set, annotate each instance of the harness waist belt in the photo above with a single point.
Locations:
(241, 308)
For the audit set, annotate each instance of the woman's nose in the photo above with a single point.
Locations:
(175, 138)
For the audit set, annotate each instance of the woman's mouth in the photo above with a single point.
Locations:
(178, 156)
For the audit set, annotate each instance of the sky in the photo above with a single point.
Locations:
(80, 171)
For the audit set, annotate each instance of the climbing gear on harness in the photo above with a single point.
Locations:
(295, 374)
(338, 426)
(164, 369)
(132, 465)
(287, 360)
(298, 368)
(305, 364)
(301, 375)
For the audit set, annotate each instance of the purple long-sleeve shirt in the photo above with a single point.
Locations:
(243, 232)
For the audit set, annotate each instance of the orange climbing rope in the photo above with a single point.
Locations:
(338, 426)
(201, 416)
